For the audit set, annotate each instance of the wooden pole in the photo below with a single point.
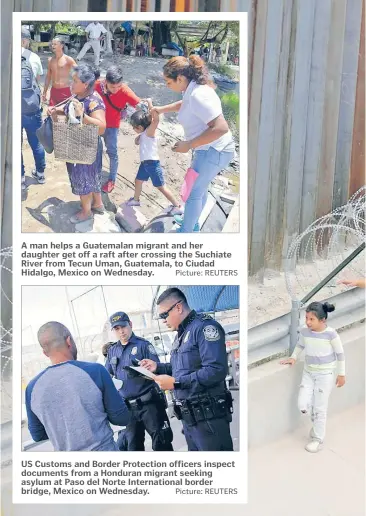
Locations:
(357, 173)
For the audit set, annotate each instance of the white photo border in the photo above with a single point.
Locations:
(230, 242)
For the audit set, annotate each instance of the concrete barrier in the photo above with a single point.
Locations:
(273, 337)
(273, 391)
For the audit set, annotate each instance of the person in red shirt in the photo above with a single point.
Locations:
(116, 95)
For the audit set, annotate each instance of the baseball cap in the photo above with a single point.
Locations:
(25, 33)
(119, 319)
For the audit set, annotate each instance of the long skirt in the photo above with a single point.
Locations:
(86, 179)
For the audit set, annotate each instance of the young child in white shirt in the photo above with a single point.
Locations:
(145, 125)
(323, 356)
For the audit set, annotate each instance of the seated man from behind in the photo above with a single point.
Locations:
(72, 403)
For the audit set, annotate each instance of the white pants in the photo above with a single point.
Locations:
(314, 394)
(95, 43)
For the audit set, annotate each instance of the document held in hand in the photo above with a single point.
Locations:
(142, 371)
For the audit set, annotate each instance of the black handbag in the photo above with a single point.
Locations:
(45, 134)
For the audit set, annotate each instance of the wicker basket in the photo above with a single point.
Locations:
(75, 143)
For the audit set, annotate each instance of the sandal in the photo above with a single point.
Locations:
(74, 219)
(99, 210)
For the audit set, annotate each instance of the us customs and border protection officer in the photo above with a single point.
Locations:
(144, 399)
(197, 371)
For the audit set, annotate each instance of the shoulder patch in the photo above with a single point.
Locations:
(134, 350)
(211, 333)
(151, 349)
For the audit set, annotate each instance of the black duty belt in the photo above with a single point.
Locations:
(151, 396)
(203, 408)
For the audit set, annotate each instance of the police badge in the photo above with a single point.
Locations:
(134, 350)
(211, 333)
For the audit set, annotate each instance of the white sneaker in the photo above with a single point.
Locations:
(313, 446)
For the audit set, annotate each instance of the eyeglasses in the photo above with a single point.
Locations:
(164, 315)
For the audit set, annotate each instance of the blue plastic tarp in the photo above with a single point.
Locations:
(212, 298)
(127, 26)
(174, 46)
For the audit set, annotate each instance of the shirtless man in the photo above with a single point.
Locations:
(59, 68)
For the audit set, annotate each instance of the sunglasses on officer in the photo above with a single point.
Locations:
(164, 315)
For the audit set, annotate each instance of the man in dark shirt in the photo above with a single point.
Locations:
(144, 399)
(197, 372)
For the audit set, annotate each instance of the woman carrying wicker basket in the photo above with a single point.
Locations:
(87, 107)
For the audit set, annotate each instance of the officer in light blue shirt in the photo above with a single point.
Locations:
(144, 399)
(197, 371)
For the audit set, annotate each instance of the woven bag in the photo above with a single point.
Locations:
(75, 143)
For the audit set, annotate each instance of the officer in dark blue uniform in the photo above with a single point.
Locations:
(197, 371)
(144, 399)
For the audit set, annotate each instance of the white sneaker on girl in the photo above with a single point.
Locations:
(313, 446)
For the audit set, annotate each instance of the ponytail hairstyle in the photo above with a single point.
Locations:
(320, 310)
(193, 68)
(87, 73)
(96, 73)
(141, 118)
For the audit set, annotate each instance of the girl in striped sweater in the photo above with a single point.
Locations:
(324, 367)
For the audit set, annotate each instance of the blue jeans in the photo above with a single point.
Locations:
(207, 163)
(151, 169)
(110, 139)
(31, 124)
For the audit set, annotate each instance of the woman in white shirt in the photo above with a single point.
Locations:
(206, 130)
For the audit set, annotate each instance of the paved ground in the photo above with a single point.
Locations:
(285, 480)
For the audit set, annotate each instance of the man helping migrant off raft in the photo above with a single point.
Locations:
(103, 102)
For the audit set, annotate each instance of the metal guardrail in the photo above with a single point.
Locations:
(297, 305)
(272, 338)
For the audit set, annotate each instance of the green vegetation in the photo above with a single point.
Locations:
(230, 108)
(224, 70)
(204, 32)
(65, 27)
(54, 27)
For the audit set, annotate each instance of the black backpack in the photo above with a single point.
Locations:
(31, 95)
